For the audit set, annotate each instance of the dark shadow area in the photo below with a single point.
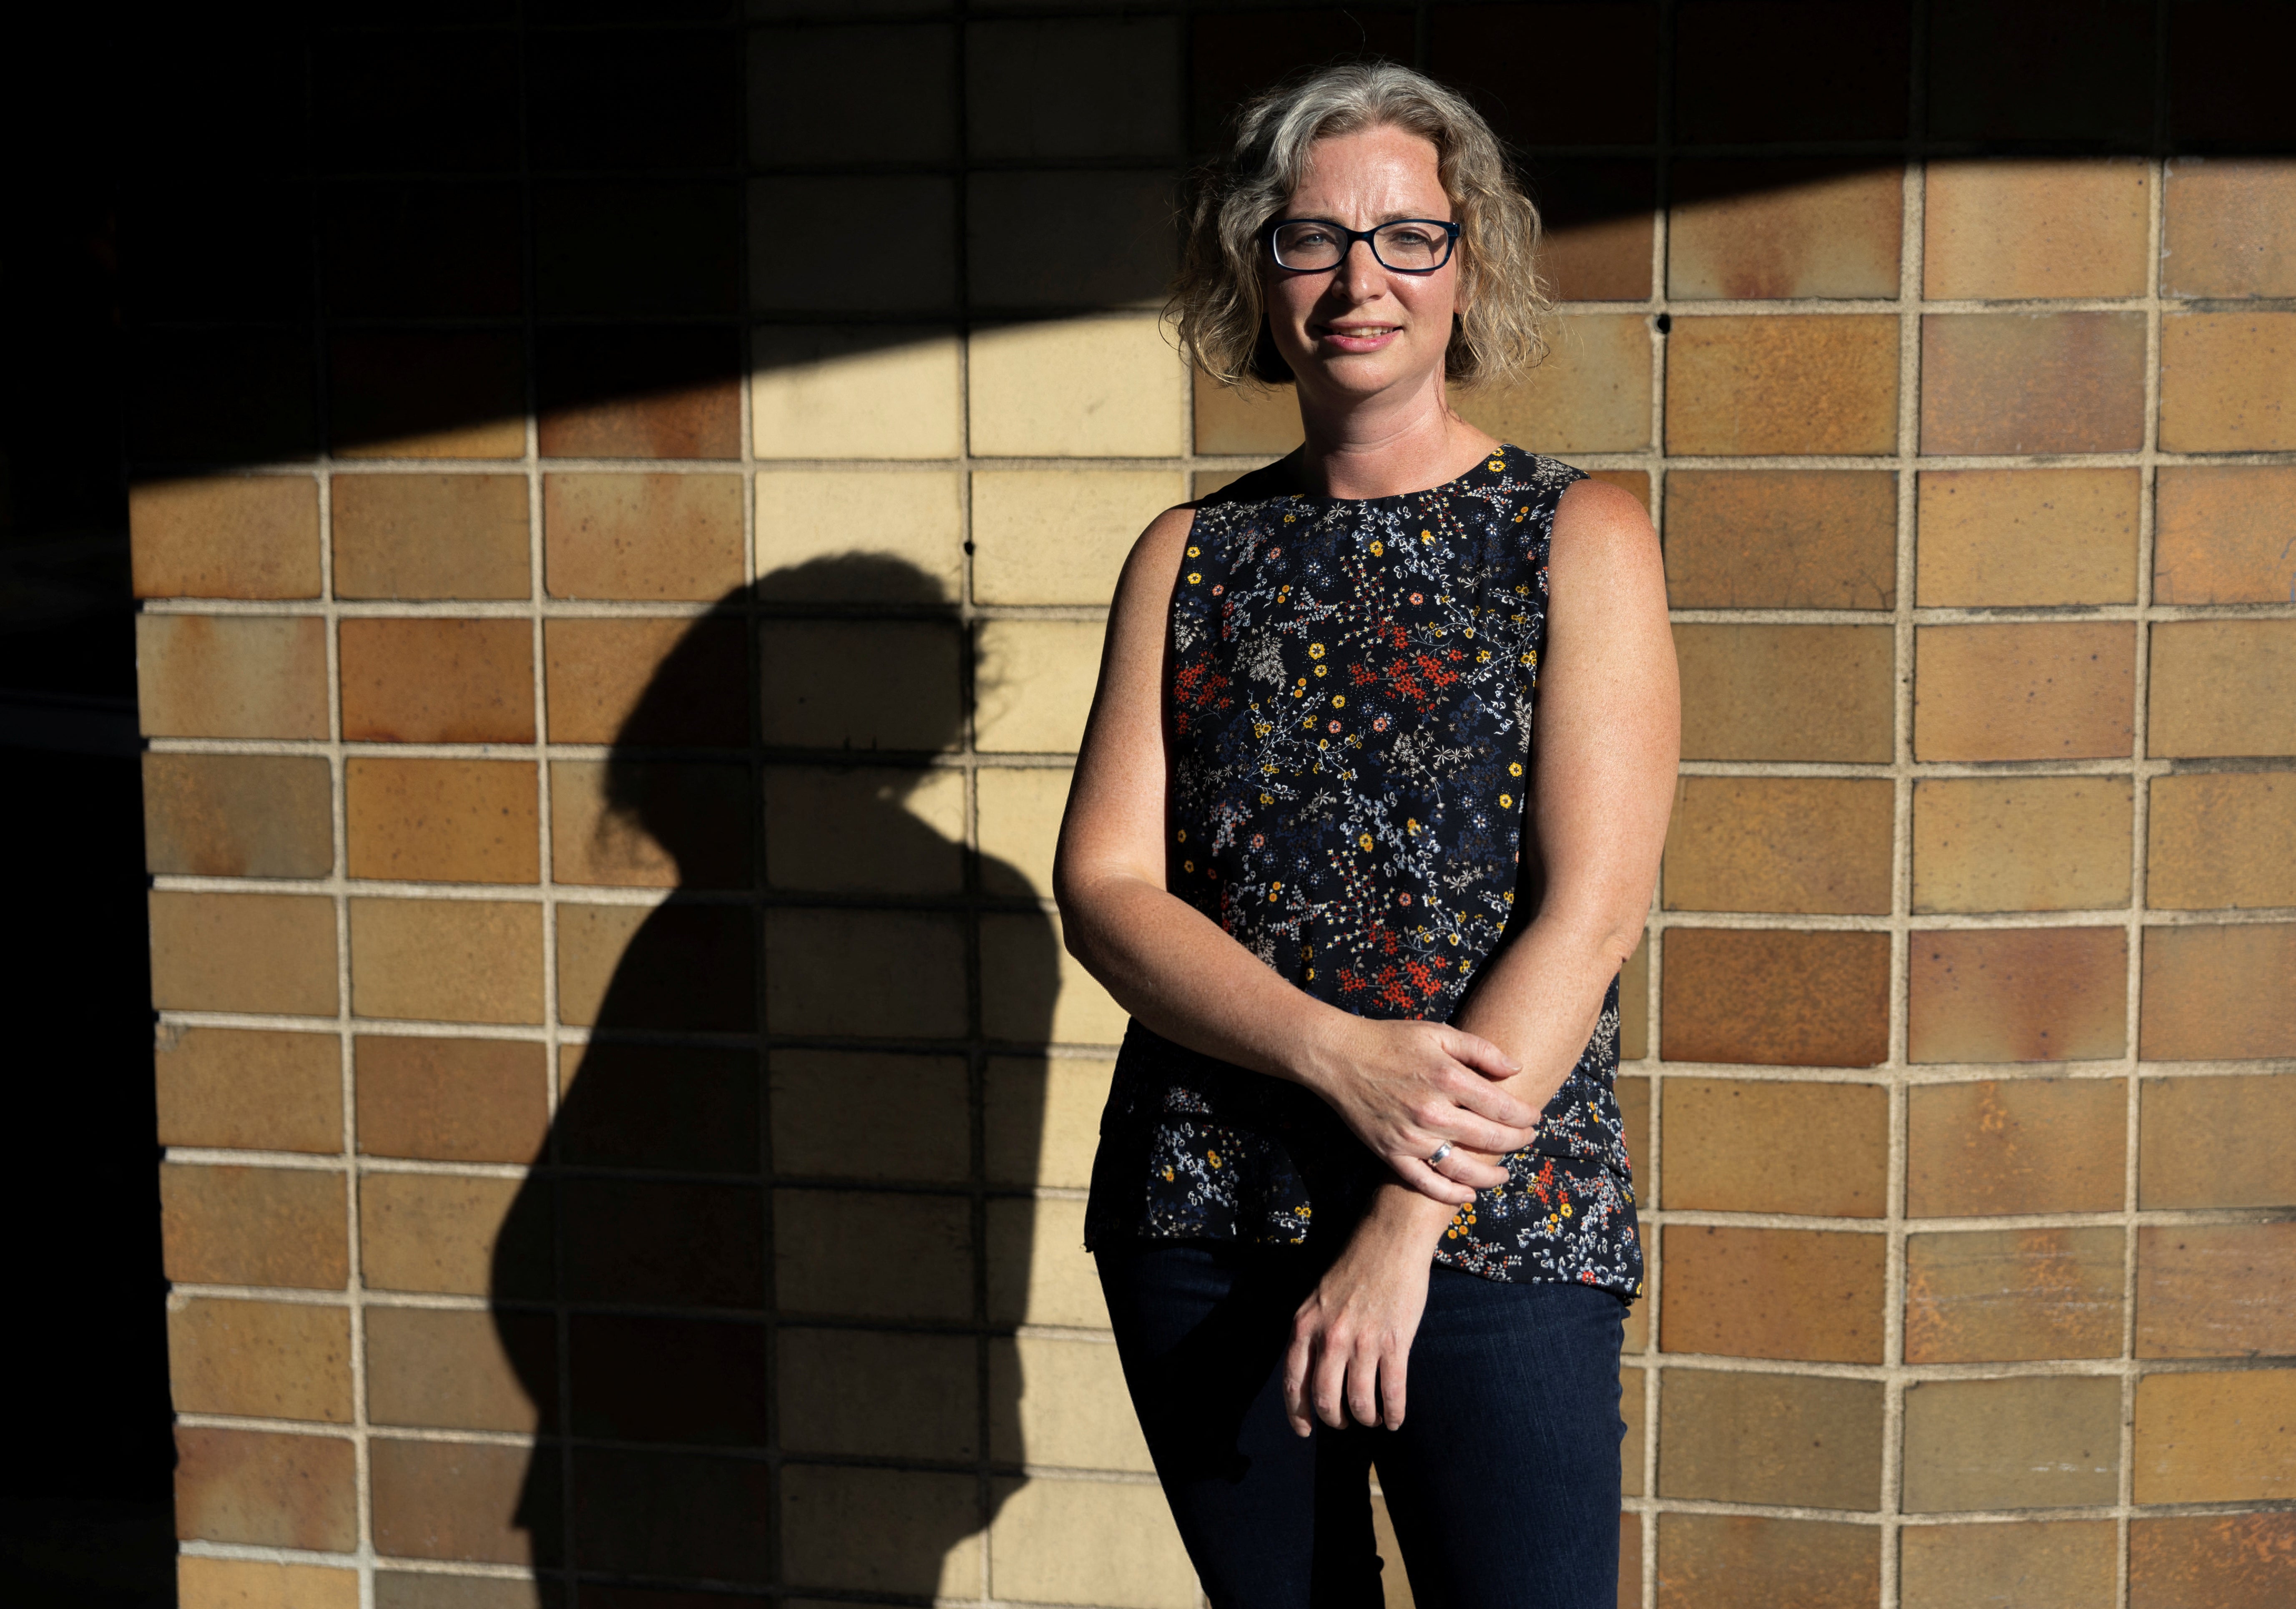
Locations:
(723, 1255)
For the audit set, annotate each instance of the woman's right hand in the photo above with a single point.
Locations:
(1407, 1087)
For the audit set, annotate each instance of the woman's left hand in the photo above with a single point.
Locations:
(1351, 1338)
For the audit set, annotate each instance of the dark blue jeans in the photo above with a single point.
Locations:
(1503, 1482)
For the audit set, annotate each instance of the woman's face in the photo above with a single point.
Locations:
(1360, 328)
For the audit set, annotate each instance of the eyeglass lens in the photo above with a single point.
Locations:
(1408, 246)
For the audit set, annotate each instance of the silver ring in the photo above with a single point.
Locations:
(1442, 1152)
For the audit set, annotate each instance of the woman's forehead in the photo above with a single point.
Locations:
(1382, 159)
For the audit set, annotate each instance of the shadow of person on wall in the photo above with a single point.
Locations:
(745, 1284)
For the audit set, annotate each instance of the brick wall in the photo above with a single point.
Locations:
(624, 514)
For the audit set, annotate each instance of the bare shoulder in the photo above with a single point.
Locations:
(1595, 518)
(1155, 557)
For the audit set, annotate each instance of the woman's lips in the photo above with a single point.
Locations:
(1356, 338)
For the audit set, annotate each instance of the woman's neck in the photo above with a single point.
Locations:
(1379, 447)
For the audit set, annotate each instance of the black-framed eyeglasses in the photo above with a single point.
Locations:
(1407, 245)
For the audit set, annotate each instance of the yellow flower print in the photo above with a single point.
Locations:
(1322, 670)
(1193, 551)
(1378, 548)
(1184, 834)
(1363, 843)
(1314, 650)
(1194, 578)
(1339, 701)
(1427, 536)
(1506, 802)
(1187, 866)
(1212, 1157)
(1514, 768)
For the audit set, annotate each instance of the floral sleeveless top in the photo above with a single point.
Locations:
(1352, 693)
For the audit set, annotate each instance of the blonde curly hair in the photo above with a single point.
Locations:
(1217, 307)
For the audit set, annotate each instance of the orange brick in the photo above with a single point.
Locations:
(2024, 692)
(1800, 844)
(1781, 538)
(2021, 843)
(254, 1226)
(446, 960)
(928, 1237)
(2223, 687)
(2228, 229)
(876, 973)
(239, 675)
(915, 1105)
(252, 1090)
(2216, 1142)
(451, 1100)
(679, 683)
(1633, 1004)
(264, 1359)
(2232, 1561)
(238, 816)
(869, 1394)
(2031, 1443)
(2216, 1290)
(2011, 229)
(1749, 1438)
(1597, 216)
(446, 1370)
(1802, 1293)
(2217, 993)
(243, 952)
(1712, 1561)
(208, 1583)
(427, 394)
(862, 686)
(691, 967)
(1634, 1480)
(635, 536)
(2048, 994)
(631, 825)
(1779, 999)
(638, 1243)
(2228, 382)
(1714, 1127)
(2035, 1564)
(226, 537)
(441, 820)
(431, 536)
(658, 1107)
(2220, 535)
(1991, 538)
(454, 1500)
(1743, 230)
(451, 1236)
(427, 681)
(1818, 693)
(2217, 840)
(665, 1513)
(2012, 1295)
(2216, 1438)
(660, 391)
(2032, 383)
(1797, 384)
(266, 1490)
(877, 829)
(2015, 1145)
(1591, 395)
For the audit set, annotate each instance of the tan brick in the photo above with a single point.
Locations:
(452, 1100)
(870, 829)
(252, 1090)
(1061, 536)
(1634, 1096)
(1801, 1294)
(2220, 535)
(434, 1234)
(789, 125)
(2217, 840)
(1741, 230)
(634, 681)
(2029, 1443)
(659, 1513)
(1709, 1561)
(2049, 226)
(862, 685)
(1777, 998)
(2228, 382)
(1032, 990)
(2235, 1561)
(1071, 1405)
(918, 1250)
(427, 394)
(1633, 1004)
(2216, 1438)
(619, 391)
(243, 952)
(441, 820)
(454, 1500)
(446, 960)
(878, 391)
(1020, 812)
(2216, 1142)
(1819, 692)
(2048, 1564)
(900, 234)
(2226, 229)
(660, 1107)
(1138, 1563)
(205, 1583)
(1595, 254)
(1591, 395)
(2217, 993)
(2024, 692)
(2216, 1290)
(226, 537)
(1074, 240)
(913, 1109)
(2019, 537)
(1042, 1118)
(2046, 994)
(2012, 1295)
(652, 1379)
(1634, 1477)
(238, 816)
(1791, 384)
(880, 1530)
(1254, 420)
(2015, 1145)
(1633, 482)
(431, 536)
(2223, 687)
(2032, 383)
(859, 1393)
(1039, 1270)
(909, 528)
(444, 1370)
(1073, 87)
(2021, 843)
(678, 965)
(239, 675)
(263, 1359)
(1779, 844)
(656, 1243)
(879, 973)
(1713, 1126)
(629, 823)
(1781, 538)
(1034, 684)
(429, 681)
(264, 1489)
(652, 537)
(1749, 1438)
(1094, 388)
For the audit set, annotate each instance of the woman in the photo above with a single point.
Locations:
(1368, 931)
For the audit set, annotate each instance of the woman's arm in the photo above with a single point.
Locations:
(1403, 1087)
(1609, 734)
